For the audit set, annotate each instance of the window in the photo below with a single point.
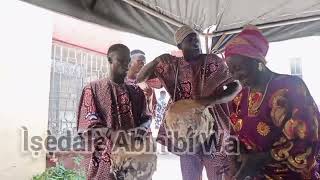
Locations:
(296, 67)
(71, 69)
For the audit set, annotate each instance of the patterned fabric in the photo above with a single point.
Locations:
(189, 80)
(250, 42)
(189, 83)
(192, 167)
(286, 125)
(190, 75)
(160, 110)
(150, 98)
(107, 104)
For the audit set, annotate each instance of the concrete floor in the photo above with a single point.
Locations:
(168, 167)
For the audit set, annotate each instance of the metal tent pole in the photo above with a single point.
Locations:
(269, 25)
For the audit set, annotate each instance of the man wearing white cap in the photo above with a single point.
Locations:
(193, 76)
(138, 60)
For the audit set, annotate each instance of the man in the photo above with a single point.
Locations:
(110, 104)
(138, 60)
(193, 76)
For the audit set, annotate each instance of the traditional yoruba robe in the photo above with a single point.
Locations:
(189, 83)
(285, 125)
(151, 100)
(105, 104)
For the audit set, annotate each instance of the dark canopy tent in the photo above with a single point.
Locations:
(158, 19)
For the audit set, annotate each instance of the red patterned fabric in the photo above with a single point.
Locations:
(107, 104)
(190, 74)
(150, 96)
(189, 83)
(189, 80)
(250, 42)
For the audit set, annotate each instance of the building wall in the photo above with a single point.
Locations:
(280, 53)
(26, 35)
(25, 75)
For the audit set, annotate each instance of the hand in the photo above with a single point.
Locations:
(147, 90)
(251, 164)
(233, 88)
(228, 94)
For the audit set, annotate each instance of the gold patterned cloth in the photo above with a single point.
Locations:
(284, 123)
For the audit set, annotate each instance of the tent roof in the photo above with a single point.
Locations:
(158, 19)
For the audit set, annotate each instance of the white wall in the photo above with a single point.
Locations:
(26, 35)
(280, 53)
(152, 48)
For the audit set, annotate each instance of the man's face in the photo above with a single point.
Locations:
(191, 45)
(120, 63)
(243, 69)
(137, 63)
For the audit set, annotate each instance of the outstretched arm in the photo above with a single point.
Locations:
(228, 94)
(147, 72)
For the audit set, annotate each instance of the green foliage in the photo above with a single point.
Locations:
(59, 172)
